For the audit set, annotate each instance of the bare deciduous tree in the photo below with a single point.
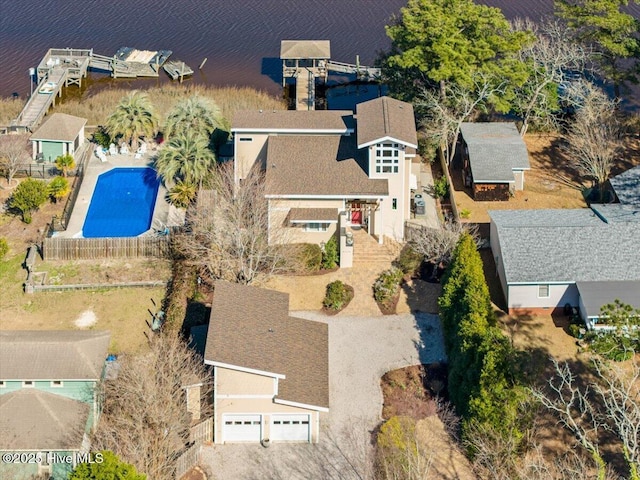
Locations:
(437, 244)
(444, 115)
(13, 153)
(594, 137)
(551, 57)
(145, 419)
(574, 411)
(620, 395)
(231, 237)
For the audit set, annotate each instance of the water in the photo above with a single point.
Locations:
(240, 39)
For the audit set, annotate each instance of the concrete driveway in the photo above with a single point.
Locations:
(361, 350)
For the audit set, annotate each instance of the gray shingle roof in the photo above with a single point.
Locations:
(31, 419)
(305, 49)
(495, 150)
(301, 121)
(319, 165)
(566, 246)
(596, 294)
(52, 354)
(250, 327)
(627, 186)
(386, 117)
(60, 127)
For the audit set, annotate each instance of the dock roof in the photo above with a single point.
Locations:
(60, 127)
(299, 49)
(250, 327)
(495, 150)
(386, 118)
(568, 245)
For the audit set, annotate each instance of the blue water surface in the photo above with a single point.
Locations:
(122, 203)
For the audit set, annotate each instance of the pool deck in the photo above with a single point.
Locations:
(163, 213)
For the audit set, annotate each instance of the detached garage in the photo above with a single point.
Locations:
(271, 371)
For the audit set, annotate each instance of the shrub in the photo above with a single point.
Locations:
(613, 347)
(101, 137)
(387, 285)
(330, 256)
(28, 197)
(58, 188)
(409, 261)
(441, 187)
(465, 213)
(338, 295)
(4, 247)
(311, 256)
(182, 194)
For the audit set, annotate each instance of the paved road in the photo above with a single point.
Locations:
(361, 350)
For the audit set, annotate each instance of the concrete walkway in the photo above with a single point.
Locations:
(361, 350)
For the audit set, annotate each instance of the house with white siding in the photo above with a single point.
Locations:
(547, 259)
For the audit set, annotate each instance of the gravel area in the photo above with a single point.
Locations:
(361, 350)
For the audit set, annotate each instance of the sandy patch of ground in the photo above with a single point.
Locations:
(86, 319)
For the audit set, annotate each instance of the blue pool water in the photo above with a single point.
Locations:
(122, 203)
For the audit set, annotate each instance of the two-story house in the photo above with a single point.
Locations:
(48, 399)
(327, 170)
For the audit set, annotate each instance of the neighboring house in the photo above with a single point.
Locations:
(48, 398)
(627, 186)
(544, 258)
(271, 373)
(494, 159)
(327, 170)
(60, 134)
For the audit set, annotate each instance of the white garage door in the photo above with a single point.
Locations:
(292, 428)
(241, 428)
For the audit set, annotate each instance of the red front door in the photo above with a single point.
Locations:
(356, 214)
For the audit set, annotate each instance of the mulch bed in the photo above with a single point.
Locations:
(331, 311)
(412, 391)
(389, 307)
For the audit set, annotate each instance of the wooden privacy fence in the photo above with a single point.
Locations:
(202, 432)
(189, 458)
(56, 248)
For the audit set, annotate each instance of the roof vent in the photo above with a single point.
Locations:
(271, 330)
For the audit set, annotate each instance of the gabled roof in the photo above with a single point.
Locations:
(31, 419)
(60, 127)
(495, 150)
(319, 165)
(596, 294)
(567, 245)
(52, 354)
(386, 119)
(293, 121)
(251, 328)
(299, 49)
(627, 186)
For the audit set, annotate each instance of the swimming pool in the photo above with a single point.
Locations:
(122, 203)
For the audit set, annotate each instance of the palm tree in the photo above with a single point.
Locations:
(187, 158)
(64, 163)
(134, 117)
(182, 194)
(194, 114)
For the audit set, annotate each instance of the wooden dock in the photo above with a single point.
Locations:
(177, 69)
(61, 67)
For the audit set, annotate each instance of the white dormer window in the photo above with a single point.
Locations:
(387, 157)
